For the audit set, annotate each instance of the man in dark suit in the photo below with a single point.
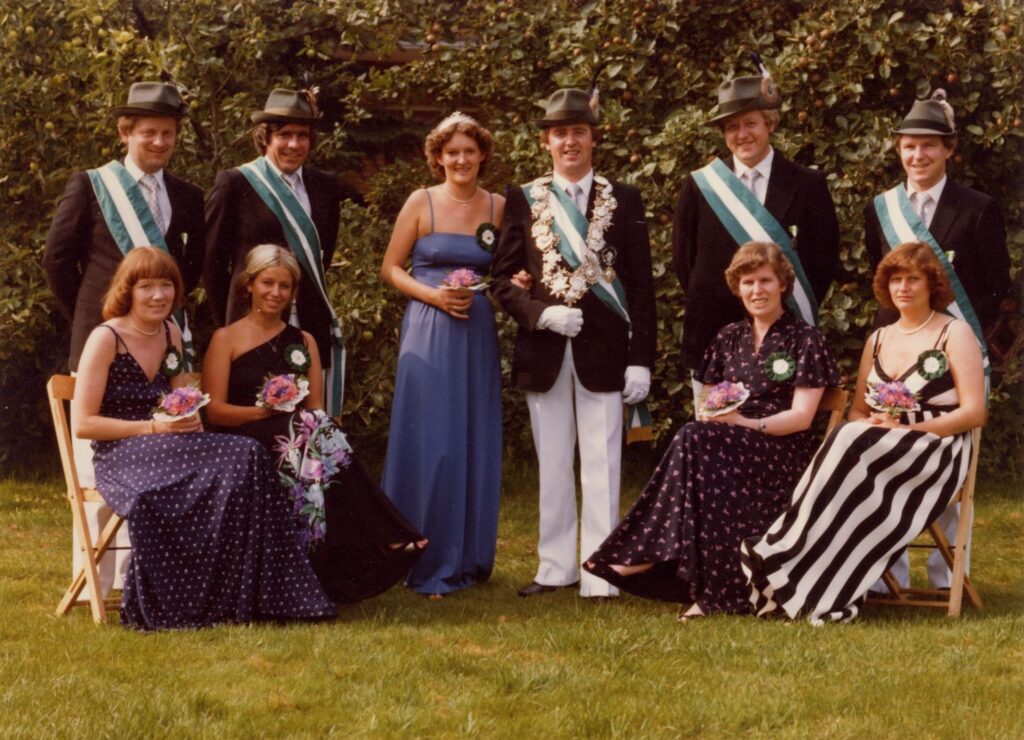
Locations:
(796, 196)
(238, 219)
(586, 336)
(966, 225)
(82, 252)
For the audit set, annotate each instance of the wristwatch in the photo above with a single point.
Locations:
(762, 427)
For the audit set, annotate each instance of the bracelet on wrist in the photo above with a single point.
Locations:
(762, 426)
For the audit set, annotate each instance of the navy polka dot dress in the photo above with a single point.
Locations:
(719, 484)
(212, 538)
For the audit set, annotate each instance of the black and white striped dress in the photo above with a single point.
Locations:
(868, 492)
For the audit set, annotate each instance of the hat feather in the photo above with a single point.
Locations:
(939, 96)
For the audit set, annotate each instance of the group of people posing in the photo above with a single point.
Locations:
(271, 516)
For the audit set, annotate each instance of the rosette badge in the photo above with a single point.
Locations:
(296, 357)
(932, 364)
(779, 366)
(487, 236)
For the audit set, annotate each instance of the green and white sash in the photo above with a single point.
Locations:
(900, 225)
(131, 225)
(747, 220)
(570, 227)
(300, 233)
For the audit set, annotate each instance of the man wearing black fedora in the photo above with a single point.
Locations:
(755, 194)
(585, 345)
(248, 206)
(966, 232)
(107, 211)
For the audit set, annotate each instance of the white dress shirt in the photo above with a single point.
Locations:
(161, 193)
(296, 182)
(764, 171)
(586, 183)
(934, 192)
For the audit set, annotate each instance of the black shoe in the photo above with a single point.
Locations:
(533, 589)
(598, 599)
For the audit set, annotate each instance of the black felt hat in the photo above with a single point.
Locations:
(153, 99)
(742, 94)
(289, 106)
(568, 106)
(932, 117)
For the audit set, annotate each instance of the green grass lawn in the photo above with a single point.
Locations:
(486, 663)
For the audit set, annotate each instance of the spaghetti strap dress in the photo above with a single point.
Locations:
(443, 465)
(868, 492)
(348, 525)
(213, 540)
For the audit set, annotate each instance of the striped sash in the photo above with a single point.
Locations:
(570, 226)
(131, 225)
(300, 233)
(900, 225)
(747, 220)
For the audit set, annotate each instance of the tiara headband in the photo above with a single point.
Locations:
(454, 120)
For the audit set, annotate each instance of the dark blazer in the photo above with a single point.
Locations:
(603, 348)
(969, 224)
(81, 256)
(237, 220)
(702, 248)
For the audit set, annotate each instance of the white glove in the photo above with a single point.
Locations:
(638, 383)
(561, 320)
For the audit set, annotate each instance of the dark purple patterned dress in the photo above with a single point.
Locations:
(213, 539)
(718, 483)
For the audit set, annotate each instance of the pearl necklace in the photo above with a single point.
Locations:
(908, 332)
(463, 203)
(140, 330)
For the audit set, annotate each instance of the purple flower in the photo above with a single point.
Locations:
(461, 278)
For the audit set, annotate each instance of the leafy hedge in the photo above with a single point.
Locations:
(390, 69)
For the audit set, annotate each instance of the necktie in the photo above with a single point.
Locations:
(750, 179)
(150, 186)
(576, 193)
(924, 211)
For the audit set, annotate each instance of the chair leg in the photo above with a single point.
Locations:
(91, 576)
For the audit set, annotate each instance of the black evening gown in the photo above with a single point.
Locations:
(353, 559)
(719, 484)
(212, 538)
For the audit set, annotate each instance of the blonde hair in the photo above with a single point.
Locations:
(260, 258)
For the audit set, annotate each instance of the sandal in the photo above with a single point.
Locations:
(689, 615)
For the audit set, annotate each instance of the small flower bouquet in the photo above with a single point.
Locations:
(180, 403)
(282, 392)
(463, 279)
(311, 455)
(724, 397)
(894, 398)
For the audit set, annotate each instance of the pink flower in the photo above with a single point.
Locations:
(723, 394)
(181, 401)
(311, 469)
(279, 389)
(461, 278)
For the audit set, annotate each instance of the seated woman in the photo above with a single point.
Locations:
(358, 542)
(881, 478)
(212, 538)
(726, 477)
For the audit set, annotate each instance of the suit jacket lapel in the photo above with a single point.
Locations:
(946, 211)
(317, 205)
(781, 187)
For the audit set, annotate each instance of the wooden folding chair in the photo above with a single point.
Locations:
(954, 555)
(60, 390)
(834, 402)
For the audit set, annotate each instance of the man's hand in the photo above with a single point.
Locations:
(638, 383)
(561, 320)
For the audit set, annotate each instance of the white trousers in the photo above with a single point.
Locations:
(114, 563)
(558, 417)
(939, 574)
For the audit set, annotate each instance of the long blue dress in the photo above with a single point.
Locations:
(443, 466)
(213, 538)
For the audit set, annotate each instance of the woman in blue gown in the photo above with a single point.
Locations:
(443, 466)
(213, 539)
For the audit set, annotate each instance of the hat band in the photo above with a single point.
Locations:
(286, 112)
(735, 106)
(153, 107)
(926, 123)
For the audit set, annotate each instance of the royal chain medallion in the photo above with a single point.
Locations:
(597, 258)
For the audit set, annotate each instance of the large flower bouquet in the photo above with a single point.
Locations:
(312, 453)
(283, 392)
(180, 403)
(894, 398)
(724, 397)
(463, 279)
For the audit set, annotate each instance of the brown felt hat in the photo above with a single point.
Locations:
(289, 106)
(567, 106)
(929, 117)
(743, 94)
(153, 99)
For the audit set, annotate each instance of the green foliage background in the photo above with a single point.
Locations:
(847, 70)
